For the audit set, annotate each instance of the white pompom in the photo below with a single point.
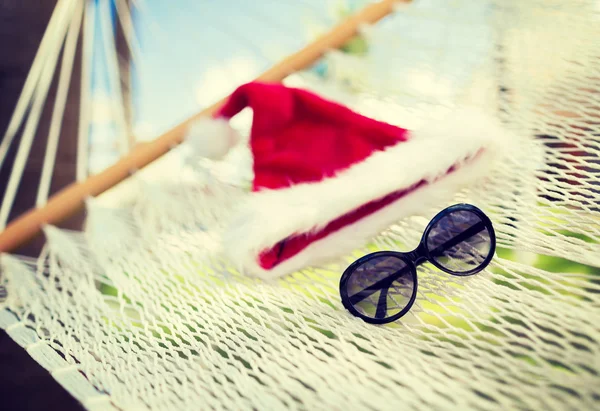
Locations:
(212, 138)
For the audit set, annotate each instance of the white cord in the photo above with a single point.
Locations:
(85, 104)
(35, 71)
(34, 116)
(114, 74)
(59, 106)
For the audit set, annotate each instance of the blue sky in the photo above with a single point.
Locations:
(212, 45)
(194, 52)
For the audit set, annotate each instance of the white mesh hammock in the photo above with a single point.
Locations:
(137, 311)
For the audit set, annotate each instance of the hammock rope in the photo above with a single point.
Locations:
(59, 107)
(85, 103)
(29, 88)
(140, 311)
(39, 98)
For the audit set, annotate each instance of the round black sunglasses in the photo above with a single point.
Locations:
(382, 286)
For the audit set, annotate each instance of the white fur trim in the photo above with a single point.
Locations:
(272, 215)
(353, 236)
(212, 138)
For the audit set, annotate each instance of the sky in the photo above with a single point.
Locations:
(196, 53)
(193, 53)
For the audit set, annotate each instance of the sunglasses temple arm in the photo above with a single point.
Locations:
(465, 235)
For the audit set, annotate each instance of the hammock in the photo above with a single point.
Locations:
(137, 311)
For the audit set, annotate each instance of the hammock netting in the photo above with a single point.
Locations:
(138, 311)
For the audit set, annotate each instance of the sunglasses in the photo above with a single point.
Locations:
(381, 287)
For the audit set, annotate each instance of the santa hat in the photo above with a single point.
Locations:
(327, 179)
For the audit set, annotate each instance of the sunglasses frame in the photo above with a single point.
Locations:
(415, 258)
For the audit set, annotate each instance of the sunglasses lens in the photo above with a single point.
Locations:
(460, 242)
(381, 287)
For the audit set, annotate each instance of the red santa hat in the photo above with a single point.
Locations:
(326, 179)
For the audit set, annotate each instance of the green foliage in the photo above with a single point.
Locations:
(357, 45)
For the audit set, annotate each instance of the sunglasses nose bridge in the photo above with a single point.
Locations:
(418, 255)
